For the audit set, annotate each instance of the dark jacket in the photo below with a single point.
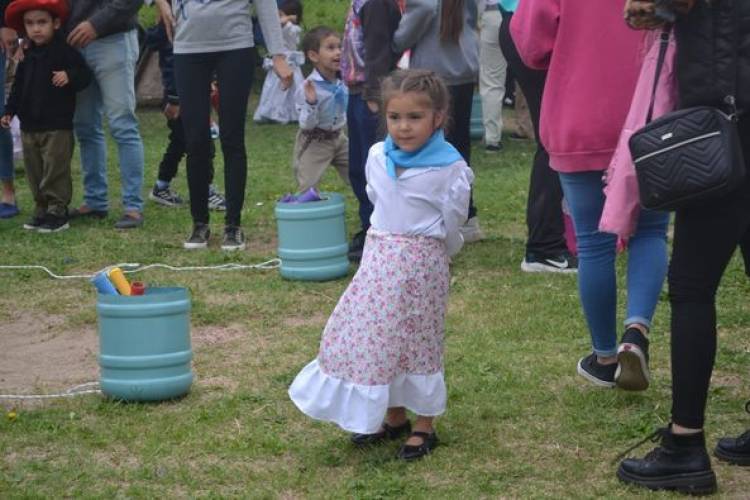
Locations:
(713, 56)
(107, 16)
(156, 39)
(41, 106)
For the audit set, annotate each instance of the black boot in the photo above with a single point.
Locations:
(680, 463)
(735, 450)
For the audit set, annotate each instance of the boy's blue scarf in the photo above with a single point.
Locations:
(340, 94)
(436, 152)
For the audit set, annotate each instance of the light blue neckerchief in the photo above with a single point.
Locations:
(436, 152)
(339, 92)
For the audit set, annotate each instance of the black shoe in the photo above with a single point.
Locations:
(234, 239)
(129, 220)
(198, 238)
(632, 361)
(388, 432)
(494, 148)
(357, 246)
(429, 443)
(680, 463)
(34, 223)
(595, 372)
(735, 450)
(52, 223)
(84, 212)
(165, 196)
(562, 263)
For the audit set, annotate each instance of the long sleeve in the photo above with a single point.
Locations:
(270, 24)
(308, 113)
(108, 19)
(415, 22)
(455, 205)
(379, 21)
(14, 98)
(534, 30)
(78, 72)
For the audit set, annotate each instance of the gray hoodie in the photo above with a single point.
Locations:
(419, 30)
(222, 25)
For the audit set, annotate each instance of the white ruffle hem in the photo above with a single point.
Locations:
(361, 408)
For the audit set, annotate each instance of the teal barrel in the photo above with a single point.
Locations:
(477, 126)
(312, 239)
(144, 345)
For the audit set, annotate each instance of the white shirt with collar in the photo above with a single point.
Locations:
(430, 201)
(324, 114)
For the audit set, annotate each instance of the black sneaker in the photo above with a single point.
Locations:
(198, 238)
(357, 246)
(34, 223)
(216, 200)
(735, 450)
(234, 239)
(388, 433)
(595, 372)
(494, 148)
(680, 463)
(632, 361)
(165, 197)
(53, 224)
(563, 263)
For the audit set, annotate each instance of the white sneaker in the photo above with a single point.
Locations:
(471, 230)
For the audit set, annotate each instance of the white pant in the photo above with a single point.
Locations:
(492, 68)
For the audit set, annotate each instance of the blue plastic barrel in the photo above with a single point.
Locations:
(312, 239)
(144, 345)
(477, 125)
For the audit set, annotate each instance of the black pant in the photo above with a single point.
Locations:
(705, 237)
(176, 150)
(544, 218)
(234, 70)
(458, 132)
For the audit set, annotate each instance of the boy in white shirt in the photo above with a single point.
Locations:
(321, 102)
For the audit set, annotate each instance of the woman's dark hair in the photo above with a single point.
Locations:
(292, 8)
(419, 81)
(314, 37)
(451, 20)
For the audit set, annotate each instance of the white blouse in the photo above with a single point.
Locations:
(430, 201)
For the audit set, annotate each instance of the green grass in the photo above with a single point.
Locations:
(520, 422)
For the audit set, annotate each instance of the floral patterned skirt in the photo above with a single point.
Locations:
(383, 344)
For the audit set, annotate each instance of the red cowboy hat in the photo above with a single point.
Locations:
(17, 8)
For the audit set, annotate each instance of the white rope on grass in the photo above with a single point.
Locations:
(78, 390)
(128, 268)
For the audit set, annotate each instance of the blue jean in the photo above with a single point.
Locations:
(112, 93)
(6, 141)
(597, 285)
(363, 130)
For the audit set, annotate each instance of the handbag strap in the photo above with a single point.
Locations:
(663, 45)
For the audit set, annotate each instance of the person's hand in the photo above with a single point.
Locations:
(60, 78)
(639, 14)
(373, 106)
(82, 35)
(5, 121)
(165, 12)
(172, 111)
(8, 41)
(311, 96)
(283, 71)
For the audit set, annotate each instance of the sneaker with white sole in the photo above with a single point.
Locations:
(198, 238)
(563, 263)
(471, 230)
(632, 361)
(34, 223)
(216, 200)
(165, 197)
(53, 224)
(234, 239)
(595, 372)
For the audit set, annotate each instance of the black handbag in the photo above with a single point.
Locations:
(688, 155)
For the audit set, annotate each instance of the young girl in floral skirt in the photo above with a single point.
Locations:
(382, 349)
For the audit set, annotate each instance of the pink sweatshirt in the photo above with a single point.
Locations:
(593, 60)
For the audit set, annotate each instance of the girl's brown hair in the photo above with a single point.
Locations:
(419, 81)
(451, 20)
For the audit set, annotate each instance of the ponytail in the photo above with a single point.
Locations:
(451, 20)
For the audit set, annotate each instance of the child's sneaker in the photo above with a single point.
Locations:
(198, 238)
(53, 223)
(216, 200)
(595, 372)
(165, 196)
(632, 361)
(234, 239)
(471, 230)
(34, 223)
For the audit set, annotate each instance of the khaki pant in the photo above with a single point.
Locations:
(524, 126)
(47, 157)
(312, 155)
(492, 70)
